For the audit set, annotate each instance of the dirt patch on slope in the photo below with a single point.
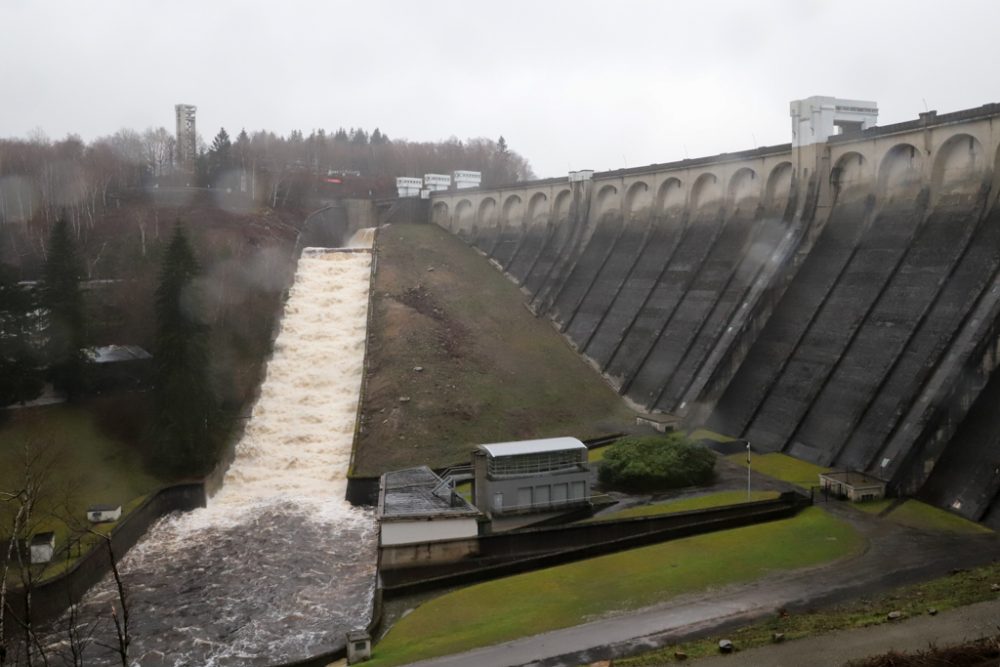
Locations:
(455, 359)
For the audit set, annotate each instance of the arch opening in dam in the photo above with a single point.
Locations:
(278, 566)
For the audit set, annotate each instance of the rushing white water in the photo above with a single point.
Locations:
(278, 566)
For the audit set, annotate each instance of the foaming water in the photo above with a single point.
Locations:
(278, 566)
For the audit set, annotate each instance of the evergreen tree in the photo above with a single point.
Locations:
(63, 301)
(20, 379)
(359, 137)
(185, 404)
(220, 155)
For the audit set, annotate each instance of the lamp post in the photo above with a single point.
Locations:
(748, 471)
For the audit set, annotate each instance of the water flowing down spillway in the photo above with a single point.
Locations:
(278, 566)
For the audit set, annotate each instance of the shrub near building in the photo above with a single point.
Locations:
(656, 463)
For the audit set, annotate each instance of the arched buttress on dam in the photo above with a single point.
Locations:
(666, 228)
(705, 224)
(529, 245)
(598, 244)
(606, 284)
(770, 223)
(966, 478)
(553, 243)
(709, 299)
(744, 396)
(509, 230)
(834, 323)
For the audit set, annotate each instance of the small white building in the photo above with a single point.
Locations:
(104, 513)
(43, 545)
(437, 182)
(359, 646)
(467, 179)
(407, 186)
(547, 475)
(817, 118)
(853, 485)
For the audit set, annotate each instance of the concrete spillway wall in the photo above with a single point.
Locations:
(837, 301)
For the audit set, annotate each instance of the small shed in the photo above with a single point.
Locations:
(104, 513)
(118, 367)
(43, 545)
(359, 646)
(546, 475)
(853, 485)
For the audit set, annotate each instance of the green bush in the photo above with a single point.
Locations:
(655, 463)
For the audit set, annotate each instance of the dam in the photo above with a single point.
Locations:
(836, 298)
(278, 566)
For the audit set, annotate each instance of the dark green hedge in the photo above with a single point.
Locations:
(655, 463)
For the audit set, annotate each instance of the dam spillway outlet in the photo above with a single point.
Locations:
(279, 566)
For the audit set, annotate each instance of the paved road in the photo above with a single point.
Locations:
(833, 650)
(895, 556)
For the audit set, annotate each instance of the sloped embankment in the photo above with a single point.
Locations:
(490, 371)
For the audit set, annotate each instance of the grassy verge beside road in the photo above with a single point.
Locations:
(782, 467)
(559, 597)
(687, 504)
(961, 588)
(916, 514)
(455, 359)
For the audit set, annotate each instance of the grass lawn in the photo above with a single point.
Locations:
(916, 514)
(962, 588)
(705, 434)
(490, 371)
(782, 467)
(596, 454)
(874, 506)
(79, 465)
(465, 490)
(686, 504)
(536, 602)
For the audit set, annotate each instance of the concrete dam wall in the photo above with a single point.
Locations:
(838, 301)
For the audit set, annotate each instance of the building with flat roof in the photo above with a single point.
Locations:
(853, 485)
(531, 476)
(415, 505)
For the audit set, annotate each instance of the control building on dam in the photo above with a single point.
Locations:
(836, 298)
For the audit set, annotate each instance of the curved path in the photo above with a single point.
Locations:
(895, 556)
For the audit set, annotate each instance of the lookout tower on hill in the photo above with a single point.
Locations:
(187, 137)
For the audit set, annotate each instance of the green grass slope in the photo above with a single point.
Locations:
(558, 597)
(490, 370)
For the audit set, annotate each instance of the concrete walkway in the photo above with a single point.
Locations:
(895, 556)
(833, 650)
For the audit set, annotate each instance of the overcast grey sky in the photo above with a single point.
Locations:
(574, 84)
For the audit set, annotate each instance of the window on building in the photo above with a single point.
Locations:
(529, 464)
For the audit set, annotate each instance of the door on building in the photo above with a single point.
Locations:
(524, 497)
(560, 493)
(578, 491)
(497, 502)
